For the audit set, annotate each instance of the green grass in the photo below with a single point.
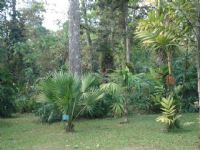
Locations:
(142, 133)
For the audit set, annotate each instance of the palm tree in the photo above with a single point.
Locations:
(72, 95)
(161, 32)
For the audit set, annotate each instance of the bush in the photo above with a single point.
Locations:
(70, 95)
(147, 93)
(24, 105)
(100, 110)
(48, 112)
(185, 74)
(7, 94)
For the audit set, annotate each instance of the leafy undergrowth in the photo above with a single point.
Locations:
(24, 132)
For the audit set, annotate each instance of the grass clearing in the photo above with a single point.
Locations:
(24, 132)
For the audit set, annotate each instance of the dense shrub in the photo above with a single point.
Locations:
(24, 105)
(48, 112)
(101, 109)
(7, 94)
(185, 74)
(148, 92)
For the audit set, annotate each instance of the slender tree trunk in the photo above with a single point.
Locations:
(169, 62)
(198, 71)
(74, 38)
(198, 51)
(198, 66)
(185, 67)
(126, 112)
(89, 41)
(125, 26)
(14, 12)
(128, 53)
(198, 54)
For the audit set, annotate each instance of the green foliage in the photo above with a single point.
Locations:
(169, 114)
(70, 94)
(24, 105)
(48, 112)
(7, 93)
(146, 87)
(114, 94)
(185, 73)
(30, 52)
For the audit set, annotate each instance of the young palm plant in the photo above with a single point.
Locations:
(72, 95)
(115, 92)
(169, 115)
(120, 89)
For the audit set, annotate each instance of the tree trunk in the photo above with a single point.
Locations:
(125, 26)
(160, 58)
(14, 12)
(89, 41)
(169, 62)
(74, 38)
(69, 127)
(198, 51)
(125, 113)
(198, 66)
(185, 67)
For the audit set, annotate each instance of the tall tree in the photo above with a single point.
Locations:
(124, 10)
(74, 37)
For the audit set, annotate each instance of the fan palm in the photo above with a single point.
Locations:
(71, 94)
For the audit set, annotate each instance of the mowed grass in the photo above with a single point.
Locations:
(24, 132)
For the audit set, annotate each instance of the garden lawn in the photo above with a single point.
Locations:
(24, 132)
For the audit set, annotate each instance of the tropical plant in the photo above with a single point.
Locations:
(161, 34)
(169, 115)
(72, 95)
(24, 105)
(114, 92)
(7, 93)
(120, 88)
(48, 112)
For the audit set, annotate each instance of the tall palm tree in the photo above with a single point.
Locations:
(161, 32)
(158, 35)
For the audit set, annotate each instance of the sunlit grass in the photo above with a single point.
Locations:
(142, 133)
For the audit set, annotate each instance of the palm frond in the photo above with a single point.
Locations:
(111, 88)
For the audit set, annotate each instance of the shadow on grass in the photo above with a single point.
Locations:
(178, 131)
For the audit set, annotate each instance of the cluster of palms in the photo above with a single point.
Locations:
(74, 96)
(165, 31)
